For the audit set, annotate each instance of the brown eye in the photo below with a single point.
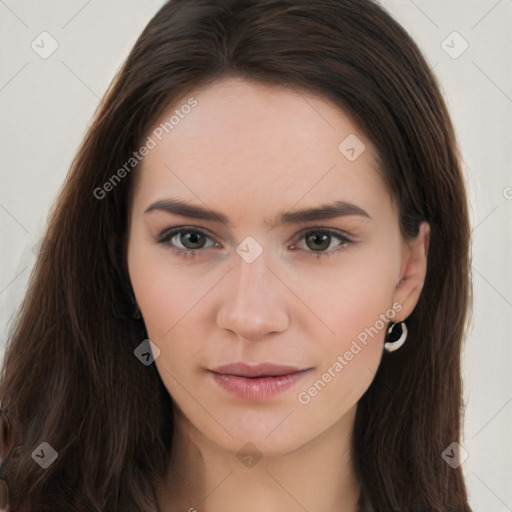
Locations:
(320, 242)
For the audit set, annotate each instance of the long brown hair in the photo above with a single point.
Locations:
(70, 377)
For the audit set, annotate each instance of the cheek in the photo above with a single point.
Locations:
(163, 295)
(348, 359)
(173, 304)
(351, 297)
(355, 303)
(337, 387)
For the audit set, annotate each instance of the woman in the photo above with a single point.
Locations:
(254, 287)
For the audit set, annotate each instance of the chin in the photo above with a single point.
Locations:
(267, 439)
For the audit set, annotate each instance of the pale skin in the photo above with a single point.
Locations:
(251, 152)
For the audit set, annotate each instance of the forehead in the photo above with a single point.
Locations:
(258, 145)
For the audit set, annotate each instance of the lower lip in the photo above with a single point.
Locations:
(257, 388)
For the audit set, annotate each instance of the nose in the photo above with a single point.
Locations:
(253, 301)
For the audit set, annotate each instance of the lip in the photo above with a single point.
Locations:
(257, 382)
(256, 370)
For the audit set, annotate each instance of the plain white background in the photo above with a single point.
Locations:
(46, 105)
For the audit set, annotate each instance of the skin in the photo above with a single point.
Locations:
(251, 152)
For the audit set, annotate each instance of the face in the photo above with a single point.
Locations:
(263, 239)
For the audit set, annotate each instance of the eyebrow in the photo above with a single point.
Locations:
(323, 212)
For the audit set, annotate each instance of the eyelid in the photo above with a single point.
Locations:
(167, 233)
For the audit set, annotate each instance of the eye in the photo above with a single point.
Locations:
(186, 241)
(319, 240)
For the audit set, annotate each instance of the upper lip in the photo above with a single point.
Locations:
(259, 370)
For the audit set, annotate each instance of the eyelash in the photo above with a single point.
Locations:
(166, 237)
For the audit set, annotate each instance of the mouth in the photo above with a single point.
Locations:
(257, 382)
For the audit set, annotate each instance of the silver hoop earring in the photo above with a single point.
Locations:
(391, 346)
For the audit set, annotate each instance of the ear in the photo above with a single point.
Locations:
(412, 272)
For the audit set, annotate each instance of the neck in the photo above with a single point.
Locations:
(205, 477)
